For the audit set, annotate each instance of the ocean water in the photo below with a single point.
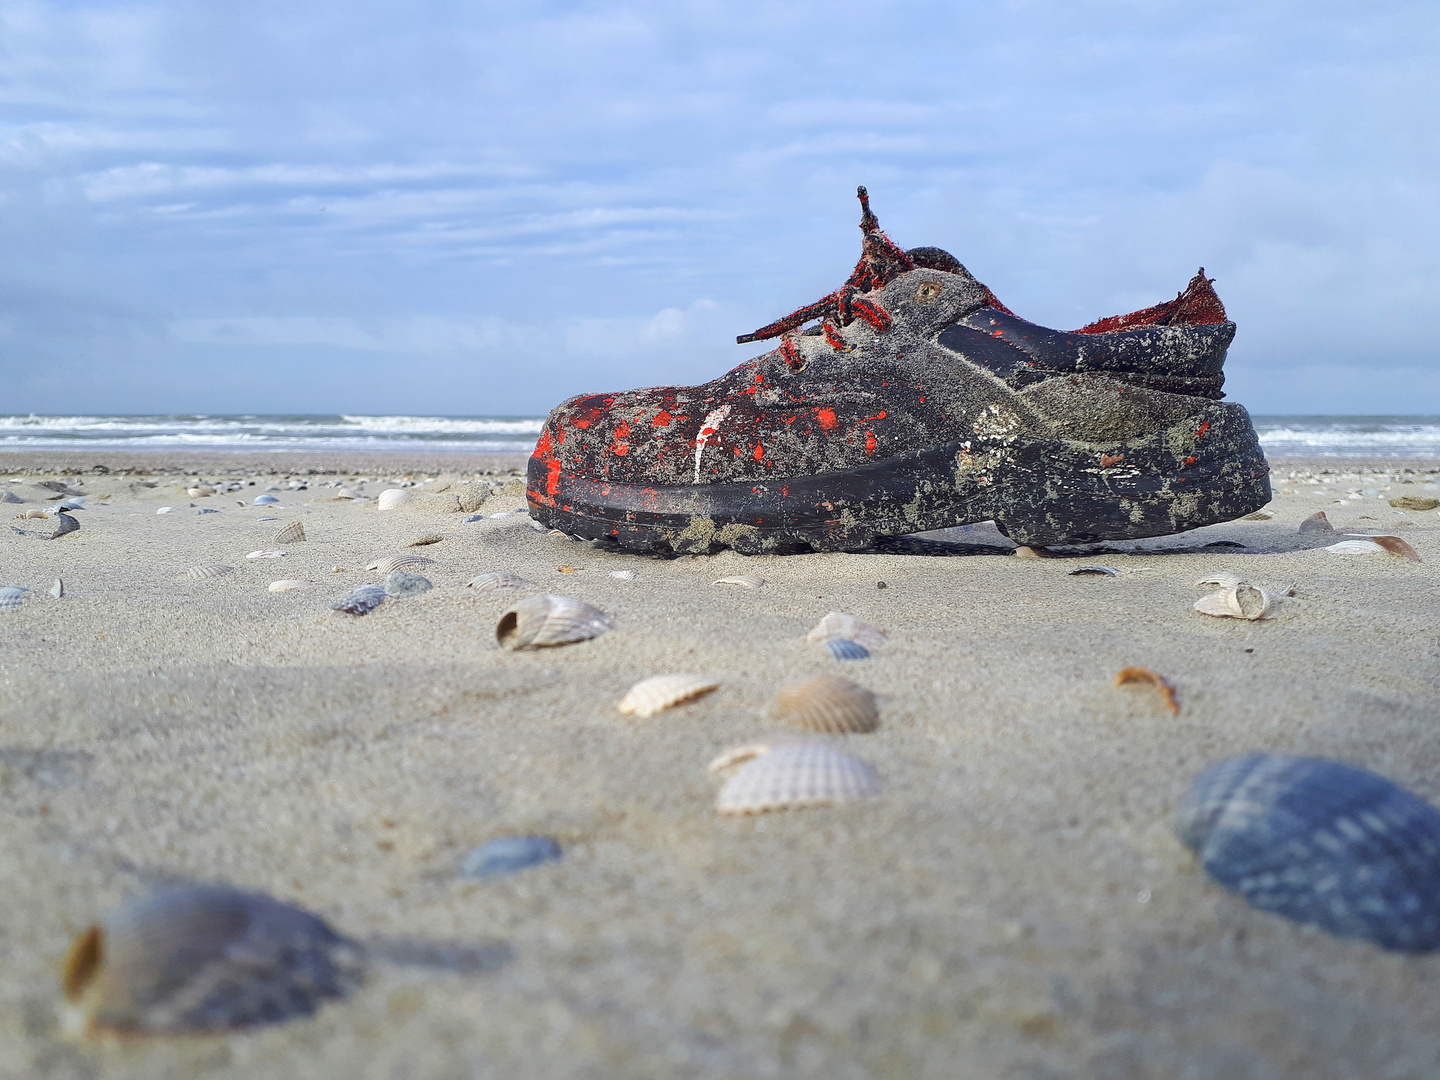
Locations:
(1282, 436)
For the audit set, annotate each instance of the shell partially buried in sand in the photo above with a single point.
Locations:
(827, 703)
(12, 597)
(837, 624)
(656, 694)
(361, 600)
(499, 580)
(791, 773)
(195, 959)
(1145, 676)
(1320, 842)
(286, 584)
(294, 533)
(747, 581)
(400, 562)
(1375, 545)
(1316, 523)
(391, 498)
(541, 622)
(208, 571)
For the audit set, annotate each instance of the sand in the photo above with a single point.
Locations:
(1015, 905)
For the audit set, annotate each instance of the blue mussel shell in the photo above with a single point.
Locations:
(1320, 842)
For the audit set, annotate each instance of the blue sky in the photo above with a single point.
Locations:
(482, 208)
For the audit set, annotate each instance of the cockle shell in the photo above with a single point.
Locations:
(827, 703)
(1375, 545)
(1259, 515)
(361, 600)
(423, 541)
(496, 580)
(1240, 601)
(1316, 523)
(749, 581)
(399, 562)
(210, 570)
(791, 774)
(845, 649)
(625, 575)
(294, 533)
(1145, 675)
(286, 584)
(1220, 580)
(655, 694)
(837, 624)
(201, 492)
(542, 621)
(194, 959)
(1320, 842)
(401, 583)
(12, 596)
(391, 498)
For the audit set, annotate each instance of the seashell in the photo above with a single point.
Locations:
(210, 570)
(625, 575)
(29, 514)
(506, 854)
(1320, 842)
(1316, 523)
(294, 533)
(264, 500)
(56, 525)
(543, 621)
(77, 503)
(1240, 601)
(266, 555)
(207, 510)
(1259, 515)
(566, 568)
(1024, 551)
(1095, 571)
(391, 498)
(203, 959)
(12, 596)
(57, 590)
(361, 600)
(1223, 580)
(286, 584)
(749, 581)
(660, 692)
(827, 703)
(8, 496)
(1375, 545)
(1145, 675)
(845, 649)
(839, 625)
(536, 525)
(1406, 502)
(422, 541)
(472, 517)
(499, 579)
(792, 774)
(399, 562)
(399, 583)
(200, 492)
(559, 534)
(166, 510)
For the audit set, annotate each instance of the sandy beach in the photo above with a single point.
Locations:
(1014, 905)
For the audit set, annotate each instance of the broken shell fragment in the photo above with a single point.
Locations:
(422, 541)
(391, 498)
(749, 581)
(1220, 580)
(361, 601)
(1316, 523)
(399, 583)
(294, 533)
(660, 692)
(194, 959)
(837, 624)
(792, 774)
(286, 584)
(57, 590)
(544, 621)
(1095, 571)
(208, 571)
(827, 703)
(266, 555)
(845, 649)
(1145, 675)
(1240, 601)
(497, 580)
(399, 562)
(12, 596)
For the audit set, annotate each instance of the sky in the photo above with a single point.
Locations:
(481, 208)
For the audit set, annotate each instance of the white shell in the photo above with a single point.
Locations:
(166, 510)
(837, 624)
(211, 570)
(200, 492)
(1240, 601)
(662, 691)
(391, 498)
(1259, 515)
(266, 555)
(749, 581)
(827, 703)
(286, 584)
(1390, 545)
(294, 533)
(543, 621)
(12, 596)
(625, 575)
(399, 562)
(496, 580)
(1219, 580)
(783, 774)
(1356, 547)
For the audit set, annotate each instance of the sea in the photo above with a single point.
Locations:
(1281, 436)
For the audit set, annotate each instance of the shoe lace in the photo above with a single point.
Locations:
(881, 262)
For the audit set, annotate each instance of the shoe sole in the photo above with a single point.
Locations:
(1039, 492)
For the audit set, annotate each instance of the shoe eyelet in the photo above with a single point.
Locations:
(928, 291)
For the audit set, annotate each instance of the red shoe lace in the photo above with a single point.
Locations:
(881, 262)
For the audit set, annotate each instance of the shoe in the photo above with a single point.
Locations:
(912, 399)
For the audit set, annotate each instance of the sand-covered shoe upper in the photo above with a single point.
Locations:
(912, 399)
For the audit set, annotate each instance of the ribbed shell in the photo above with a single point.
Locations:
(793, 775)
(391, 498)
(837, 624)
(827, 703)
(1320, 842)
(625, 575)
(400, 562)
(294, 533)
(204, 959)
(361, 600)
(12, 596)
(543, 621)
(1219, 580)
(1240, 601)
(845, 649)
(266, 555)
(658, 693)
(1317, 523)
(498, 580)
(208, 571)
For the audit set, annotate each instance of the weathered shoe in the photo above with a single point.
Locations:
(915, 400)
